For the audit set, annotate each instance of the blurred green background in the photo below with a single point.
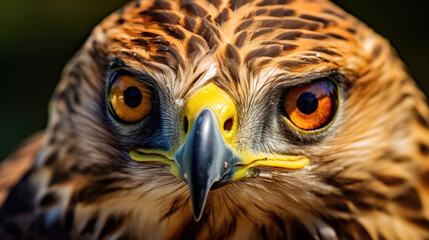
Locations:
(37, 37)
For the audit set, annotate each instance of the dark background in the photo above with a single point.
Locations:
(37, 37)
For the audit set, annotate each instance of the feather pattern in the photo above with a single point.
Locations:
(369, 172)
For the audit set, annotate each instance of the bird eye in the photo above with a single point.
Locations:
(130, 101)
(312, 106)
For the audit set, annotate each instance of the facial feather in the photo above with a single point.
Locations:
(368, 170)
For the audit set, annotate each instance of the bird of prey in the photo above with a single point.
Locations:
(215, 119)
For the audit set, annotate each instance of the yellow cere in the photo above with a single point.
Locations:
(214, 98)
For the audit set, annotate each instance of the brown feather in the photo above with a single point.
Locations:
(15, 166)
(368, 172)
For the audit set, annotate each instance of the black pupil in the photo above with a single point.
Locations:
(307, 103)
(133, 97)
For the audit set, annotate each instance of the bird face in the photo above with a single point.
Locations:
(209, 144)
(269, 113)
(207, 153)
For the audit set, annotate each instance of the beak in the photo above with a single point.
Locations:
(207, 157)
(204, 159)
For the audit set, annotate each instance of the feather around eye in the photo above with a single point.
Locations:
(312, 106)
(129, 100)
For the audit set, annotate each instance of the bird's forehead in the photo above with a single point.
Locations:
(295, 36)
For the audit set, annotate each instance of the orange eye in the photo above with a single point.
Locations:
(312, 106)
(129, 100)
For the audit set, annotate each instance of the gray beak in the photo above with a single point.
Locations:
(204, 160)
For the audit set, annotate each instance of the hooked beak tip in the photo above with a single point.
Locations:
(199, 196)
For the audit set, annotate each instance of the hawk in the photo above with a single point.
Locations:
(213, 119)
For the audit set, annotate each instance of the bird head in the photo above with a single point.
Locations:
(270, 111)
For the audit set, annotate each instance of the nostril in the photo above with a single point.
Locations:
(185, 125)
(227, 126)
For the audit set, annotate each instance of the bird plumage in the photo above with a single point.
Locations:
(368, 176)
